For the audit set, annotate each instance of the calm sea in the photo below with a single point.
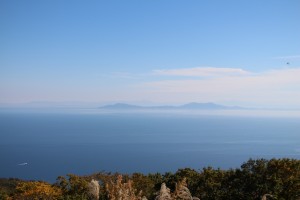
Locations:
(84, 142)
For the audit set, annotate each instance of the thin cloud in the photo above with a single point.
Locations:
(123, 75)
(287, 57)
(273, 87)
(202, 72)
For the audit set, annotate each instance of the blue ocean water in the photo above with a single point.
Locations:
(59, 143)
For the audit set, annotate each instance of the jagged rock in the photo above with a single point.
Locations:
(122, 191)
(125, 191)
(182, 192)
(93, 189)
(265, 196)
(164, 193)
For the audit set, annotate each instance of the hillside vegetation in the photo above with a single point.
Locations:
(254, 180)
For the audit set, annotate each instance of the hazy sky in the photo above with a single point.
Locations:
(164, 51)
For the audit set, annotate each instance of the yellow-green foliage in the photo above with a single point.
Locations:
(35, 190)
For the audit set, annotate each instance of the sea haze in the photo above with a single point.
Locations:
(87, 141)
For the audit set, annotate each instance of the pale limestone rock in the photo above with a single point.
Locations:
(93, 189)
(122, 191)
(164, 193)
(265, 196)
(182, 192)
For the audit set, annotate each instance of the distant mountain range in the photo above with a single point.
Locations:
(189, 106)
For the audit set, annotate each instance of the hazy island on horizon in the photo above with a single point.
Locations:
(188, 106)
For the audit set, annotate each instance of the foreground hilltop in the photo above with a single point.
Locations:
(255, 180)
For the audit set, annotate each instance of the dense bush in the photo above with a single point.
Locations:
(278, 177)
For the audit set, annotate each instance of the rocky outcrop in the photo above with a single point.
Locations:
(265, 196)
(181, 192)
(93, 189)
(164, 193)
(118, 190)
(123, 191)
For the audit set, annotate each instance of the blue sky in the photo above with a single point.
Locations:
(229, 52)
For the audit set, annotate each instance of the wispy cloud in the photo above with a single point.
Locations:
(202, 72)
(123, 75)
(273, 87)
(287, 57)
